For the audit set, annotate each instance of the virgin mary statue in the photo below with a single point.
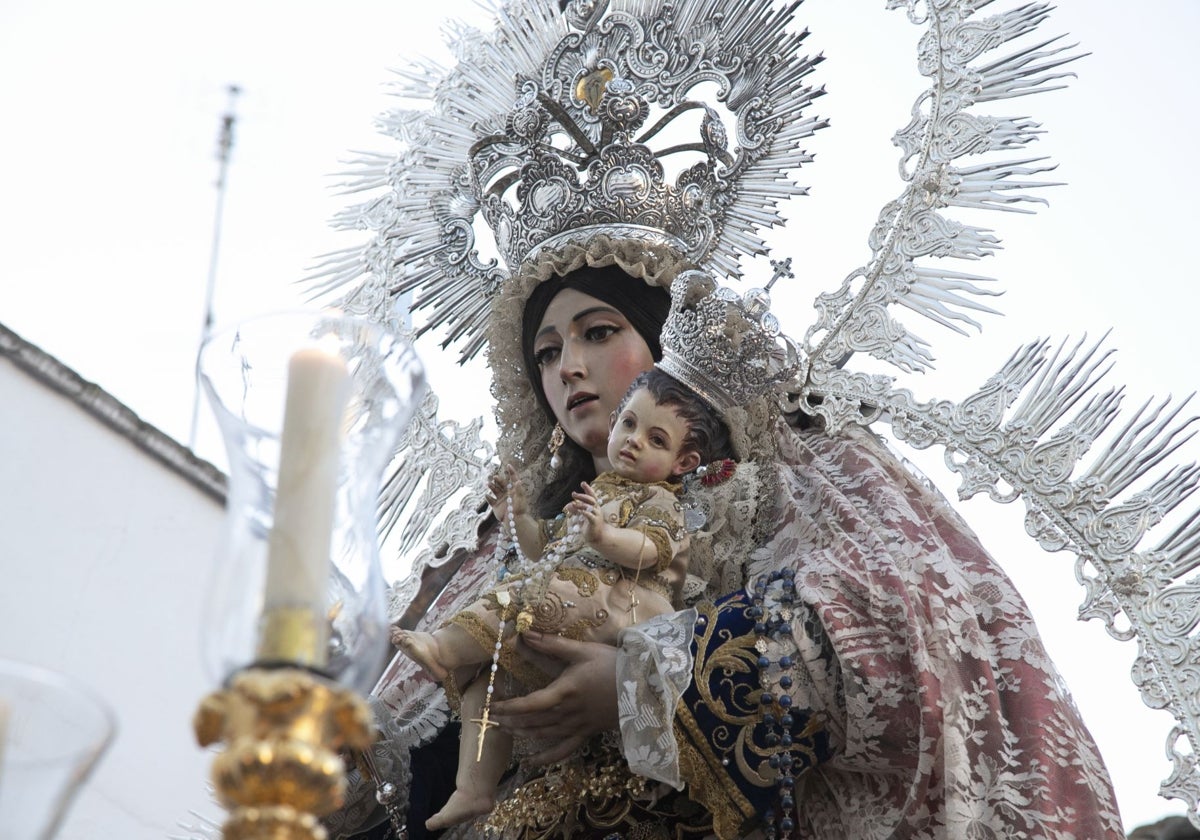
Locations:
(844, 658)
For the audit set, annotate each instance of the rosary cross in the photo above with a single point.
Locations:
(485, 723)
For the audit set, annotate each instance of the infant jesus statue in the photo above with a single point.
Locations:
(606, 563)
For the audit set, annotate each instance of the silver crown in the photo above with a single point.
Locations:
(724, 346)
(623, 183)
(566, 149)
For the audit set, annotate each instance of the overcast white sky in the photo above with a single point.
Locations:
(111, 114)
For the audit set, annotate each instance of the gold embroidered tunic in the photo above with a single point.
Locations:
(587, 596)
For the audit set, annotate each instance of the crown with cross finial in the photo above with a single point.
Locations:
(724, 346)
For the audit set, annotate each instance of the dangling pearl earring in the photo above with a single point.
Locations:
(557, 439)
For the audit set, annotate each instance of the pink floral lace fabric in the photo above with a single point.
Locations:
(952, 721)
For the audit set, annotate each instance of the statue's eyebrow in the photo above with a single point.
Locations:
(578, 316)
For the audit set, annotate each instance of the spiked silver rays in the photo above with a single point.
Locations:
(1017, 438)
(1025, 433)
(912, 227)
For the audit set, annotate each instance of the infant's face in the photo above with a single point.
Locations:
(646, 441)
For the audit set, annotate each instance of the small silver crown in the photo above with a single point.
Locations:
(724, 346)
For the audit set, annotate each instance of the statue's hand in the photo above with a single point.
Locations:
(580, 701)
(585, 503)
(505, 488)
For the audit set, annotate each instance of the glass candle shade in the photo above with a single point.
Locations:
(309, 405)
(52, 732)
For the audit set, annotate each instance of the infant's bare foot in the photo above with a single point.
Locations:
(460, 808)
(421, 648)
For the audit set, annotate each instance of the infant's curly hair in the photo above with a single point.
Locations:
(707, 434)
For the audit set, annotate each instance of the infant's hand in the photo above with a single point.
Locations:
(585, 503)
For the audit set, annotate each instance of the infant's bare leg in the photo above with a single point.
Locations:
(476, 780)
(442, 651)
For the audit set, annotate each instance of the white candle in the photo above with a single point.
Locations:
(294, 624)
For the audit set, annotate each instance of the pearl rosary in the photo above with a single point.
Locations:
(538, 573)
(540, 569)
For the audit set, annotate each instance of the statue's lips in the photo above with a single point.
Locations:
(577, 400)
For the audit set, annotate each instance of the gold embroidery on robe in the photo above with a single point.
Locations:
(708, 755)
(584, 580)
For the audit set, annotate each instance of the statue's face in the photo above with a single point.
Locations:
(587, 353)
(646, 441)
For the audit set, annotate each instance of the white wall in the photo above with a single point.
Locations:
(104, 553)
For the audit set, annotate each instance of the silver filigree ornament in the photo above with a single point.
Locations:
(579, 141)
(614, 180)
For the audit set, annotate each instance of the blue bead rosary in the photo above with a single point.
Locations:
(777, 714)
